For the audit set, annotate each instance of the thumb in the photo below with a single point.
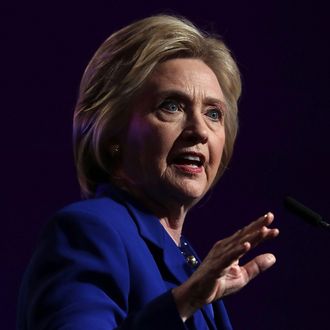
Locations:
(259, 264)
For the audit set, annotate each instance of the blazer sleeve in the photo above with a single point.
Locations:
(79, 278)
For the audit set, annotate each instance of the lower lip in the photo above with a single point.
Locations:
(189, 169)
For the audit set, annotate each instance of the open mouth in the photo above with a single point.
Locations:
(194, 161)
(189, 162)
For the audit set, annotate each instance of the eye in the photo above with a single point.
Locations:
(215, 114)
(170, 106)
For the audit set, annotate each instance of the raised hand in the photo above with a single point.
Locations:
(220, 273)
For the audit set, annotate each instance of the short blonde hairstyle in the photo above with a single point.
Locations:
(116, 74)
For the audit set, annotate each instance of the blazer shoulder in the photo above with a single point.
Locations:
(95, 206)
(102, 211)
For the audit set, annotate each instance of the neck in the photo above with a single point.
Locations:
(173, 226)
(170, 211)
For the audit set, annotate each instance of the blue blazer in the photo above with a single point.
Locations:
(107, 263)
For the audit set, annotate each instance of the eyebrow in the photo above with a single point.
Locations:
(185, 97)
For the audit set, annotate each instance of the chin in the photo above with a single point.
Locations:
(189, 192)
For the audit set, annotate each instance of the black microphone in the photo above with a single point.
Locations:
(305, 213)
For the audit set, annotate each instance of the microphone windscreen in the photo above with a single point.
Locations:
(306, 213)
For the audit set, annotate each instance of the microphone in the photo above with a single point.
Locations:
(305, 213)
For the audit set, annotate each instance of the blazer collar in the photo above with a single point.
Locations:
(151, 231)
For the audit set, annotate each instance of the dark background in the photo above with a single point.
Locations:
(283, 51)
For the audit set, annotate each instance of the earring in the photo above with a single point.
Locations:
(114, 150)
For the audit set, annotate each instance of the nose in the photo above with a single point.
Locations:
(195, 130)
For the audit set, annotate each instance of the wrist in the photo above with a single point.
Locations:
(185, 303)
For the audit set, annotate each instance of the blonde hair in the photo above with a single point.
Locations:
(117, 72)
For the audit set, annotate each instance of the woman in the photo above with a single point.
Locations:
(154, 129)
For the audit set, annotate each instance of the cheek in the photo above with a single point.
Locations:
(159, 143)
(150, 142)
(138, 136)
(216, 150)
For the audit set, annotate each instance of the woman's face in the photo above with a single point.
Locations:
(175, 137)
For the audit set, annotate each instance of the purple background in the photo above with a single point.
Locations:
(283, 51)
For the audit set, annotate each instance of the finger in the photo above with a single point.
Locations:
(245, 233)
(234, 247)
(258, 265)
(232, 257)
(265, 220)
(261, 235)
(258, 231)
(221, 257)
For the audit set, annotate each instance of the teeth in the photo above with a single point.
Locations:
(189, 159)
(194, 158)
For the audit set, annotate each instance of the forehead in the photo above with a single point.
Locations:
(191, 76)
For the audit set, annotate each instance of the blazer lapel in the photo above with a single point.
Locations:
(152, 231)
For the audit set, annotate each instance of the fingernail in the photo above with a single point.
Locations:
(268, 214)
(271, 258)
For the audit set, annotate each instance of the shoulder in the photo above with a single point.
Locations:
(91, 232)
(102, 222)
(95, 207)
(103, 211)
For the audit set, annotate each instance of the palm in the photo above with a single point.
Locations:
(220, 273)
